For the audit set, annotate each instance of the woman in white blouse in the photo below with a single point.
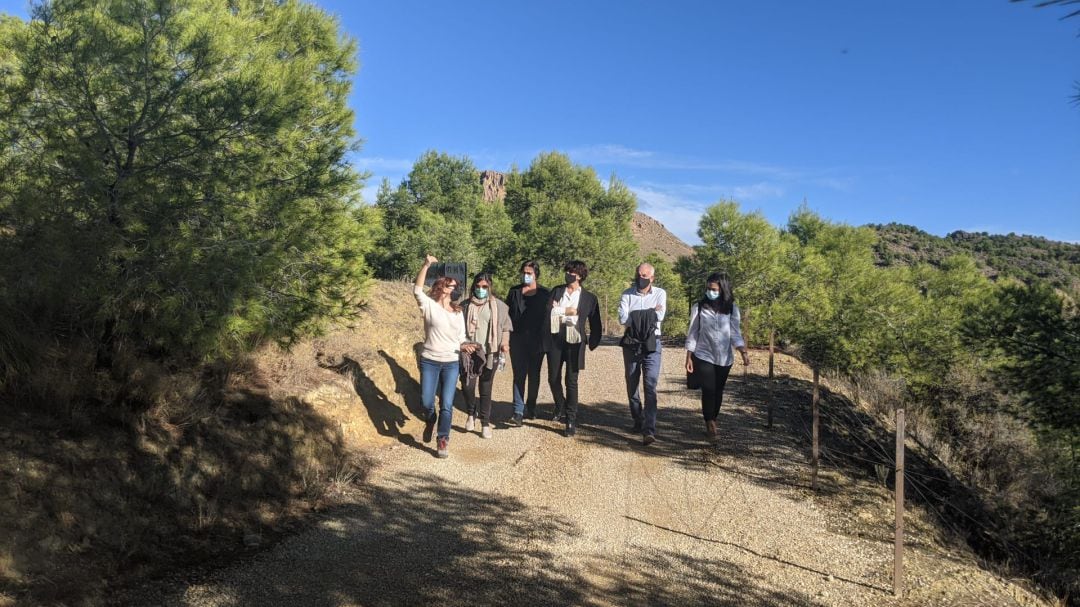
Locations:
(444, 337)
(714, 330)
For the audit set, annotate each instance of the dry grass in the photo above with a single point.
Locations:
(104, 482)
(979, 475)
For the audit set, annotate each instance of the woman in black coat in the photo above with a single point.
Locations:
(569, 309)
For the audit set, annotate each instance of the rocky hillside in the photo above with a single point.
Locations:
(1024, 257)
(653, 237)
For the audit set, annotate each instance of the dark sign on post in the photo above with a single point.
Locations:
(457, 271)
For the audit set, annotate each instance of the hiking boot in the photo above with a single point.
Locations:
(648, 439)
(444, 448)
(429, 430)
(515, 421)
(470, 423)
(485, 431)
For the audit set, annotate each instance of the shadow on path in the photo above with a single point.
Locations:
(424, 540)
(758, 554)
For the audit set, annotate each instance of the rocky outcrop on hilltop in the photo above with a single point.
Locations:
(653, 237)
(494, 184)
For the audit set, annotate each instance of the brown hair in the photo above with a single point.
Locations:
(436, 290)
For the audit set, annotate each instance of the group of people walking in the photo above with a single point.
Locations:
(471, 339)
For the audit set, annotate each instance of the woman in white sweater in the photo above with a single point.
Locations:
(714, 330)
(444, 337)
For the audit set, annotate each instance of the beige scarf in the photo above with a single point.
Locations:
(491, 344)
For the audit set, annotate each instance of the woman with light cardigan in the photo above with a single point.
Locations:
(487, 322)
(444, 338)
(714, 330)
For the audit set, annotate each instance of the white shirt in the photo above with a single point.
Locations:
(633, 300)
(711, 335)
(444, 331)
(559, 316)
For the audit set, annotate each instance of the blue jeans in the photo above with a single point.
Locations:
(634, 364)
(435, 374)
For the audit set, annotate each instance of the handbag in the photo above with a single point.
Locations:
(693, 382)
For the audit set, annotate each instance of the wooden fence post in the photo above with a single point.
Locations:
(898, 555)
(772, 350)
(814, 453)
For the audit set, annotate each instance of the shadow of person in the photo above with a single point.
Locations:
(387, 417)
(405, 382)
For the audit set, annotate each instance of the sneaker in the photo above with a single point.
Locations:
(530, 412)
(648, 439)
(516, 421)
(470, 423)
(444, 448)
(558, 415)
(571, 429)
(429, 430)
(485, 431)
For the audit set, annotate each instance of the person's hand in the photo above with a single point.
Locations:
(468, 348)
(504, 348)
(745, 358)
(430, 259)
(659, 308)
(689, 364)
(570, 312)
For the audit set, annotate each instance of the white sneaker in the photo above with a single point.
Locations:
(485, 431)
(470, 423)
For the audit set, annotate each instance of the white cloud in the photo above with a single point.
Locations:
(383, 165)
(757, 191)
(616, 154)
(609, 153)
(680, 216)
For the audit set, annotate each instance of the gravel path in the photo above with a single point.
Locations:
(532, 517)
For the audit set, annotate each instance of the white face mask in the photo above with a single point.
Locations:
(712, 295)
(527, 279)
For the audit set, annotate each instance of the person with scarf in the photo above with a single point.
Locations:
(569, 308)
(444, 340)
(487, 322)
(714, 331)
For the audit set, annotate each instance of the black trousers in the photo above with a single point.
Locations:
(525, 360)
(713, 377)
(557, 356)
(482, 407)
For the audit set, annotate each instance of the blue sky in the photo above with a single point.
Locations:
(945, 115)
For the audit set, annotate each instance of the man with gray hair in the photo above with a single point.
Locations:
(641, 310)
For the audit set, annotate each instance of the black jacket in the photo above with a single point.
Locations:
(528, 331)
(640, 335)
(588, 311)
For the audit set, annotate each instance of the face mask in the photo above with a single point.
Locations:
(480, 293)
(712, 294)
(643, 283)
(570, 278)
(527, 279)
